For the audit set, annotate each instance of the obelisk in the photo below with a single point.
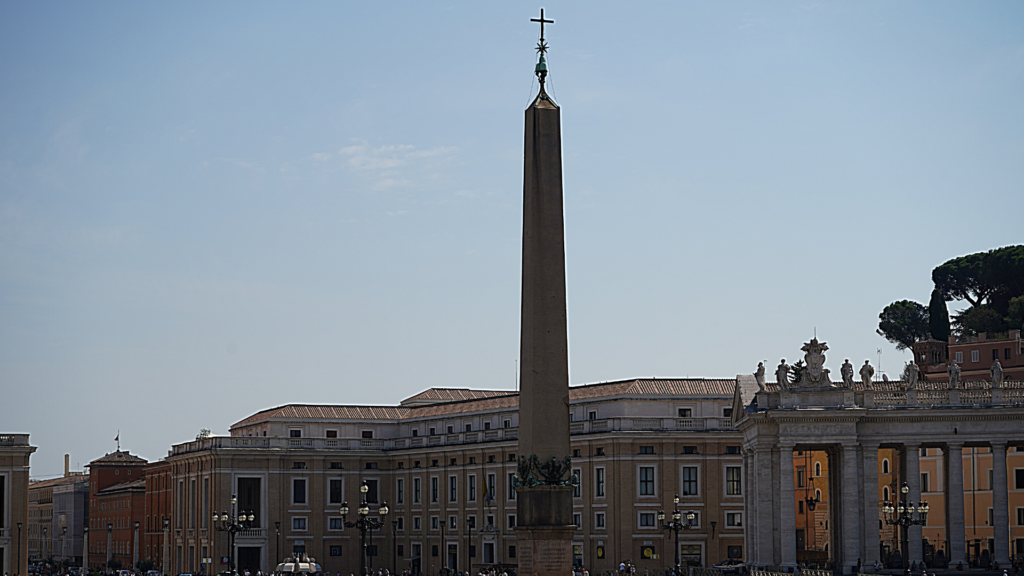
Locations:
(544, 482)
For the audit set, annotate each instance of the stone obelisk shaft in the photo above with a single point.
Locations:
(544, 511)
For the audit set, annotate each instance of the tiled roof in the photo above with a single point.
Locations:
(37, 484)
(118, 458)
(442, 401)
(435, 395)
(139, 484)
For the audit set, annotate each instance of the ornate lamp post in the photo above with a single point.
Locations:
(45, 557)
(135, 546)
(85, 549)
(165, 553)
(110, 544)
(679, 522)
(903, 515)
(363, 523)
(232, 524)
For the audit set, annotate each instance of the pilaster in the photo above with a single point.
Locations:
(912, 457)
(1000, 505)
(869, 498)
(787, 516)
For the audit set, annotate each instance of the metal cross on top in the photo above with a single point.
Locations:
(542, 22)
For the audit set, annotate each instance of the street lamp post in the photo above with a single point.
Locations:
(85, 549)
(363, 523)
(63, 535)
(677, 524)
(45, 557)
(277, 534)
(232, 524)
(110, 547)
(394, 547)
(18, 569)
(903, 514)
(166, 551)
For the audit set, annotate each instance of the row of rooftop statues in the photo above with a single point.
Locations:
(815, 375)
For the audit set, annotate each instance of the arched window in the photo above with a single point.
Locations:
(885, 493)
(817, 495)
(885, 465)
(817, 468)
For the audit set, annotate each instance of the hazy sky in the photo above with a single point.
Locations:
(208, 209)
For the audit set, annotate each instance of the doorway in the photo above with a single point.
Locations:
(453, 557)
(248, 559)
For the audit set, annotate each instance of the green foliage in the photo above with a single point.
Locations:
(963, 278)
(114, 564)
(1015, 313)
(795, 371)
(903, 322)
(204, 433)
(979, 319)
(938, 316)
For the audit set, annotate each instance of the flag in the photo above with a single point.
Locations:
(118, 437)
(488, 497)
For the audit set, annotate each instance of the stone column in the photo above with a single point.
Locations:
(850, 486)
(869, 473)
(749, 506)
(1000, 505)
(955, 503)
(787, 507)
(912, 459)
(765, 495)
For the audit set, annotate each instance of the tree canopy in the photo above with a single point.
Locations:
(903, 322)
(938, 316)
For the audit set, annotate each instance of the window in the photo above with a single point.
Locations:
(733, 485)
(331, 434)
(599, 520)
(885, 465)
(400, 491)
(995, 353)
(506, 423)
(577, 520)
(799, 506)
(417, 523)
(471, 488)
(689, 449)
(1007, 356)
(1020, 517)
(451, 429)
(925, 483)
(1018, 478)
(512, 486)
(727, 412)
(817, 468)
(415, 490)
(647, 519)
(647, 450)
(469, 427)
(335, 495)
(435, 524)
(599, 482)
(975, 357)
(451, 462)
(335, 524)
(415, 432)
(432, 432)
(511, 520)
(472, 459)
(299, 491)
(576, 490)
(686, 413)
(453, 522)
(433, 550)
(299, 524)
(433, 489)
(336, 466)
(335, 550)
(732, 449)
(471, 521)
(599, 451)
(885, 493)
(295, 433)
(400, 550)
(800, 477)
(511, 551)
(371, 465)
(959, 358)
(487, 425)
(646, 480)
(575, 452)
(734, 518)
(401, 522)
(489, 491)
(512, 457)
(592, 415)
(453, 491)
(690, 487)
(371, 492)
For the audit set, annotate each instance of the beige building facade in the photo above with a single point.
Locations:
(15, 453)
(443, 461)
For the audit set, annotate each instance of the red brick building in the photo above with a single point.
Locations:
(974, 355)
(156, 547)
(117, 500)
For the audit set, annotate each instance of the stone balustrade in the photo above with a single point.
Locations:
(13, 439)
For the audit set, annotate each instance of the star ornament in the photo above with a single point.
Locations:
(542, 47)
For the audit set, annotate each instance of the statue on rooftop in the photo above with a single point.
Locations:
(997, 374)
(954, 374)
(815, 374)
(866, 374)
(912, 374)
(782, 375)
(759, 376)
(846, 371)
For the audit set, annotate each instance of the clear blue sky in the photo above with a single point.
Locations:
(207, 209)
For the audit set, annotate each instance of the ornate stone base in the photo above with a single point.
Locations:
(544, 550)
